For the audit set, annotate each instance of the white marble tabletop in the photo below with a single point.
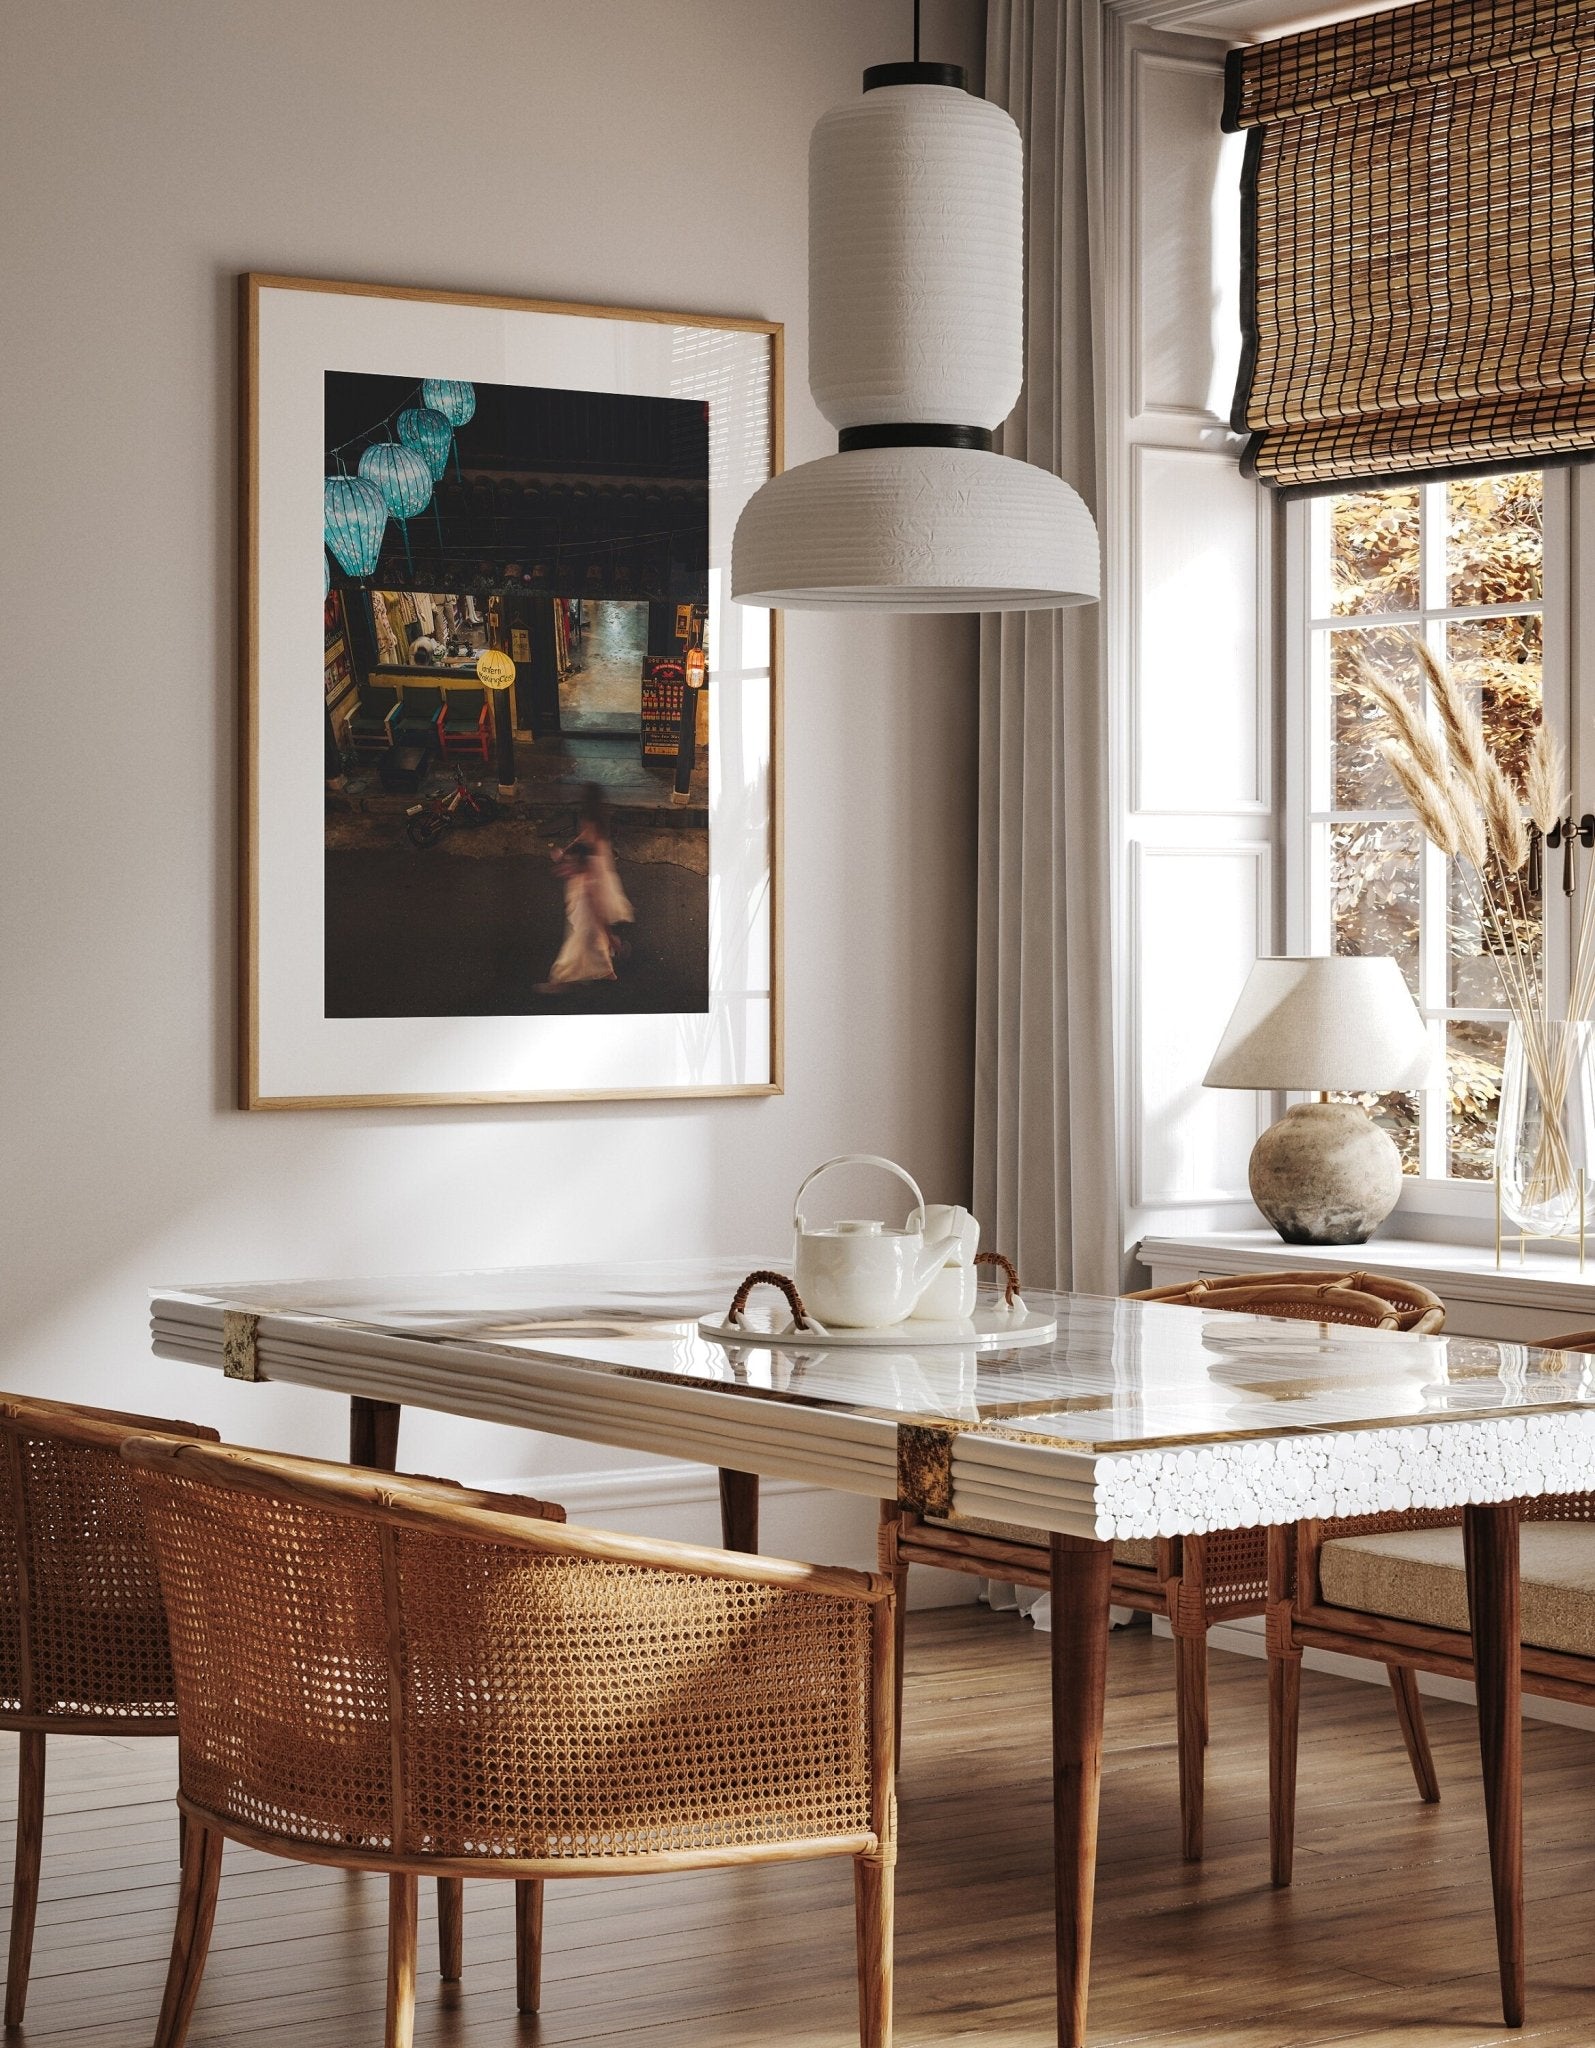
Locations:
(1138, 1419)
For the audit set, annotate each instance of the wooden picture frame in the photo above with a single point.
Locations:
(303, 1046)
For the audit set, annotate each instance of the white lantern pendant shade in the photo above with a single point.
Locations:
(916, 289)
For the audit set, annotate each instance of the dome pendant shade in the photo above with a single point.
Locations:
(914, 529)
(916, 354)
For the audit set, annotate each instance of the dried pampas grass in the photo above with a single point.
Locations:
(1407, 723)
(1464, 729)
(1427, 796)
(1503, 816)
(1545, 787)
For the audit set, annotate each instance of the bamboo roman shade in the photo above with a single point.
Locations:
(1419, 242)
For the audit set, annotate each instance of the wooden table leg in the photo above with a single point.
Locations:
(1080, 1579)
(374, 1433)
(1490, 1546)
(739, 1510)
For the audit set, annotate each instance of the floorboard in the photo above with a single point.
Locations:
(1384, 1940)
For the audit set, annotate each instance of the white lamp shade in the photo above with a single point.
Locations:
(916, 259)
(1334, 1023)
(915, 530)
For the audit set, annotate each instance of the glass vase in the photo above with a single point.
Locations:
(1545, 1133)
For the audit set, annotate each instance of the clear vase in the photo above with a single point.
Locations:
(1545, 1133)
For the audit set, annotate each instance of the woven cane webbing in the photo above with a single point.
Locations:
(82, 1629)
(1234, 1572)
(620, 1710)
(1368, 1300)
(1419, 268)
(362, 1679)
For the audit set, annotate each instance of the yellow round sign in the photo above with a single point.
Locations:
(495, 670)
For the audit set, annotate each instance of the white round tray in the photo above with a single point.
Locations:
(988, 1329)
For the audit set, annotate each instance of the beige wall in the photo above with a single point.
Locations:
(622, 150)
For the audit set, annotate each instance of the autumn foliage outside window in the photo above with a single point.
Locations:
(1460, 563)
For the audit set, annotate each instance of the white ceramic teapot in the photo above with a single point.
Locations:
(858, 1274)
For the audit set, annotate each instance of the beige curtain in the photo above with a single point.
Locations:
(1046, 1182)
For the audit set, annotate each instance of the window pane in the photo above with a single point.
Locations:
(1475, 979)
(1374, 873)
(1373, 552)
(1500, 662)
(1494, 539)
(1475, 1054)
(1397, 1117)
(1361, 777)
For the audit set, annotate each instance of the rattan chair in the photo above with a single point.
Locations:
(387, 1674)
(1393, 1589)
(82, 1632)
(1194, 1581)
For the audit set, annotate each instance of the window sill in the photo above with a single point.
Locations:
(1528, 1300)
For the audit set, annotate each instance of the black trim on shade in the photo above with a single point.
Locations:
(913, 434)
(1230, 119)
(917, 74)
(1248, 362)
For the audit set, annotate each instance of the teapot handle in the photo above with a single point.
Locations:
(859, 1159)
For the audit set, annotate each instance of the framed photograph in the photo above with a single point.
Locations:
(522, 846)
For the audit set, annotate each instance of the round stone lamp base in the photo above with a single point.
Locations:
(1324, 1174)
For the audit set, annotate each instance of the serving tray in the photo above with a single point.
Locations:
(988, 1329)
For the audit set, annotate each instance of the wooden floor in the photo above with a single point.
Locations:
(1384, 1940)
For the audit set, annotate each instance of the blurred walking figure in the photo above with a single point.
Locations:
(595, 903)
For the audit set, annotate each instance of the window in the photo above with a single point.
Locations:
(1478, 568)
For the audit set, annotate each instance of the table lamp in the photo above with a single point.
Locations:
(1325, 1173)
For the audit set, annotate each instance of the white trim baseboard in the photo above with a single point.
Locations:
(1245, 1639)
(616, 1489)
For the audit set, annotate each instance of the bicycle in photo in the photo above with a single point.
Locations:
(427, 821)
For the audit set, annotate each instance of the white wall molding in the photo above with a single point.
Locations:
(630, 1489)
(1188, 565)
(1246, 1639)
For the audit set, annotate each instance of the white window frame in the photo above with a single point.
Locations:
(1568, 694)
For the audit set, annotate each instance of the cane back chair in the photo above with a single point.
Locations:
(1193, 1581)
(388, 1674)
(1393, 1589)
(83, 1646)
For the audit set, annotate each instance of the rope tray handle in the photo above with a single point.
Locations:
(1011, 1286)
(761, 1278)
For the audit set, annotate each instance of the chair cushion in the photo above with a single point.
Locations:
(1139, 1551)
(1417, 1575)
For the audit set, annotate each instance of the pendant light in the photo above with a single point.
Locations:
(451, 397)
(355, 516)
(402, 476)
(429, 434)
(916, 356)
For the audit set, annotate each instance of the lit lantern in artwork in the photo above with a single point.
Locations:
(402, 476)
(429, 434)
(455, 400)
(355, 516)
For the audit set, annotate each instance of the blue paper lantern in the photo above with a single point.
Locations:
(403, 477)
(326, 575)
(355, 515)
(429, 434)
(456, 401)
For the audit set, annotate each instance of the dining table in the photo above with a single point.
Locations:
(1129, 1419)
